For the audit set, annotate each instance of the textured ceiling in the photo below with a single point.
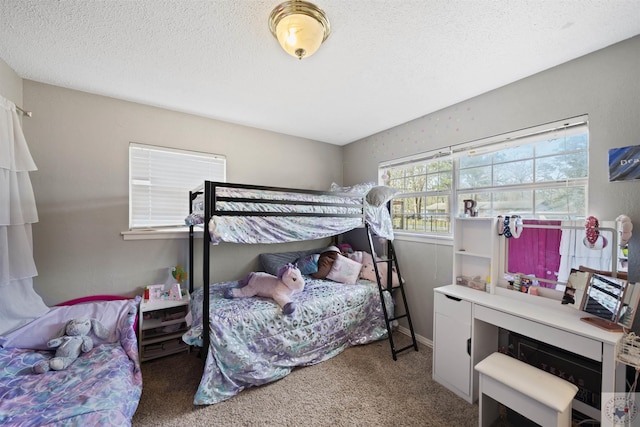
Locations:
(385, 63)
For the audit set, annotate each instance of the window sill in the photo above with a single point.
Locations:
(159, 234)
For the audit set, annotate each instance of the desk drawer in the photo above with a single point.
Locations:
(455, 308)
(557, 337)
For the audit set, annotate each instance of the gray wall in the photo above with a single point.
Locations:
(604, 85)
(80, 143)
(10, 84)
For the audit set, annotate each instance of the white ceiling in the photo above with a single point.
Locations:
(385, 63)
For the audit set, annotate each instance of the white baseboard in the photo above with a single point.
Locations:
(419, 338)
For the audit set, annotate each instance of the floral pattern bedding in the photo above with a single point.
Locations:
(254, 230)
(101, 388)
(279, 229)
(253, 343)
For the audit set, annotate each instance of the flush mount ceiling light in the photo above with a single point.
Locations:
(299, 26)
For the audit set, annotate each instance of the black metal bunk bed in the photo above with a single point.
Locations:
(315, 206)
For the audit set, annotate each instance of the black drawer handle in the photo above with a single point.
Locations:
(453, 298)
(469, 346)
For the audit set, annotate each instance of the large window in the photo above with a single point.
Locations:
(160, 180)
(425, 203)
(539, 173)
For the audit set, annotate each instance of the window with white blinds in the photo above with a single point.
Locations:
(160, 180)
(540, 172)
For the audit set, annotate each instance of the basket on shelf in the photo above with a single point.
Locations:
(628, 350)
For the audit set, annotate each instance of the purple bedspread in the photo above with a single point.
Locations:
(278, 229)
(253, 343)
(101, 388)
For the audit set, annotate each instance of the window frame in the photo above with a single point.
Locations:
(426, 194)
(564, 128)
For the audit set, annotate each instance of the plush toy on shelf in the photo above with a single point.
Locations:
(288, 282)
(625, 226)
(72, 340)
(179, 273)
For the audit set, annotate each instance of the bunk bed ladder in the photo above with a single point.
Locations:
(392, 262)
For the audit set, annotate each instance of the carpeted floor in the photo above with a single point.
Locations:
(362, 386)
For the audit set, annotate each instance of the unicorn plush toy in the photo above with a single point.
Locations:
(288, 282)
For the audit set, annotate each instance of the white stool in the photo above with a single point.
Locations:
(538, 395)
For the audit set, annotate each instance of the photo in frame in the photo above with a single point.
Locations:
(604, 296)
(155, 292)
(604, 300)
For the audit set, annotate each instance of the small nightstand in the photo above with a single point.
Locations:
(160, 327)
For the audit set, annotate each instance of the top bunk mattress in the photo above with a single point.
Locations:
(250, 214)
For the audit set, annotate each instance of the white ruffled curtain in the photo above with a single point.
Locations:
(19, 303)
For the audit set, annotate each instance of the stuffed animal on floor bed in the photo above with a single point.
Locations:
(289, 282)
(71, 341)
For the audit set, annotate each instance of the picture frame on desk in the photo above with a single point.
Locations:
(608, 299)
(155, 292)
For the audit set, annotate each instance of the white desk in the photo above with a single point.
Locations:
(461, 313)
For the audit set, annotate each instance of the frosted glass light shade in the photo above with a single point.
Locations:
(300, 35)
(300, 27)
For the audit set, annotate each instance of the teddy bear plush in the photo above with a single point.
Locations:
(288, 282)
(72, 340)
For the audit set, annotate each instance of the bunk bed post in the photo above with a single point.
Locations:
(191, 197)
(206, 246)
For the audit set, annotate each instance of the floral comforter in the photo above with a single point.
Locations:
(253, 229)
(100, 388)
(252, 343)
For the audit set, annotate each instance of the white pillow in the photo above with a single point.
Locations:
(19, 305)
(344, 270)
(35, 335)
(381, 194)
(359, 189)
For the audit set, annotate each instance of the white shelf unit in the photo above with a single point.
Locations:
(475, 249)
(475, 253)
(160, 327)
